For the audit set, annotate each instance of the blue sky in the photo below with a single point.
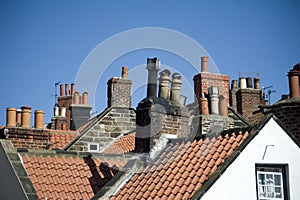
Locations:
(43, 42)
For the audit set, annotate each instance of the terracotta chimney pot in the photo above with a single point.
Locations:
(125, 72)
(11, 117)
(294, 83)
(39, 119)
(26, 112)
(204, 64)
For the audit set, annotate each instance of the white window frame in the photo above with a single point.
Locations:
(267, 190)
(93, 143)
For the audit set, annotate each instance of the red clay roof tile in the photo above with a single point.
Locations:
(124, 145)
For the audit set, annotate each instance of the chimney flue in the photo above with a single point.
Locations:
(11, 114)
(152, 67)
(85, 98)
(175, 88)
(26, 112)
(294, 83)
(223, 106)
(19, 117)
(234, 84)
(164, 80)
(204, 64)
(73, 90)
(125, 72)
(67, 92)
(76, 98)
(243, 84)
(39, 119)
(61, 87)
(203, 105)
(214, 100)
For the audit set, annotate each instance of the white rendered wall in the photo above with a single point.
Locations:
(239, 180)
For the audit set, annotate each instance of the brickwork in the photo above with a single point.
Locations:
(113, 124)
(66, 101)
(203, 81)
(29, 138)
(119, 92)
(247, 101)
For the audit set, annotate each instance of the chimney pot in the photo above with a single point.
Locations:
(125, 72)
(76, 98)
(294, 83)
(67, 92)
(204, 64)
(243, 84)
(256, 83)
(19, 117)
(11, 117)
(63, 111)
(249, 82)
(164, 81)
(203, 105)
(85, 98)
(56, 111)
(73, 90)
(234, 84)
(26, 112)
(214, 100)
(223, 106)
(61, 86)
(175, 88)
(39, 119)
(152, 67)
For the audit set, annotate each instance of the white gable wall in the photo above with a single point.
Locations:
(239, 180)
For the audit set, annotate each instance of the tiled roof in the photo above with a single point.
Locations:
(124, 145)
(181, 169)
(59, 139)
(62, 177)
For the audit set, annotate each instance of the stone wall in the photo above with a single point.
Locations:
(119, 92)
(114, 123)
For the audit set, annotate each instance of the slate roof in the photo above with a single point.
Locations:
(69, 177)
(124, 145)
(182, 168)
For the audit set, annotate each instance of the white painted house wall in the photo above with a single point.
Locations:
(239, 180)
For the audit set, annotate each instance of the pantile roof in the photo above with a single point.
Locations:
(124, 145)
(59, 139)
(182, 168)
(69, 177)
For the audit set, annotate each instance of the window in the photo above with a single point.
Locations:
(93, 147)
(271, 182)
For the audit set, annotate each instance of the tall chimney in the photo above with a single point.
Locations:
(11, 117)
(175, 88)
(243, 84)
(73, 90)
(85, 98)
(61, 87)
(125, 72)
(256, 83)
(67, 91)
(214, 100)
(26, 112)
(204, 105)
(294, 83)
(204, 64)
(223, 106)
(19, 117)
(164, 80)
(152, 67)
(39, 119)
(249, 82)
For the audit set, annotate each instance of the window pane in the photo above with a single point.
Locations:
(261, 178)
(278, 192)
(277, 180)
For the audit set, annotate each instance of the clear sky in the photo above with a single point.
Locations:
(43, 42)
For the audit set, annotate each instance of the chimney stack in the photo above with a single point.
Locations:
(125, 72)
(257, 83)
(39, 119)
(61, 87)
(11, 117)
(175, 88)
(214, 100)
(26, 112)
(294, 83)
(85, 98)
(249, 82)
(152, 67)
(243, 84)
(164, 80)
(73, 90)
(204, 64)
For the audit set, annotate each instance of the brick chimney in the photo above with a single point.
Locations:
(119, 90)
